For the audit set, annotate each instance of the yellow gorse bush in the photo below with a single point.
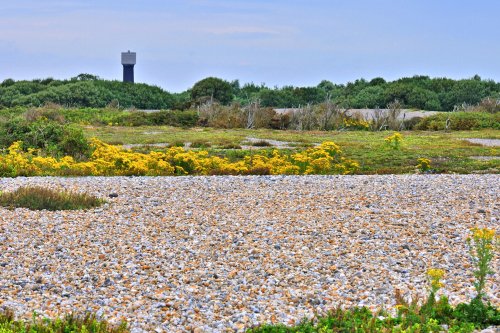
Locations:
(108, 160)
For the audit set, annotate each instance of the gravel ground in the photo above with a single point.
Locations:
(486, 142)
(216, 254)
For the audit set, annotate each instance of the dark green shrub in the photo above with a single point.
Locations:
(212, 89)
(409, 124)
(135, 118)
(261, 143)
(174, 118)
(50, 136)
(477, 312)
(38, 198)
(74, 143)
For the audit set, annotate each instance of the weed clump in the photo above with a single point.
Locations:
(394, 141)
(261, 143)
(70, 323)
(424, 164)
(39, 198)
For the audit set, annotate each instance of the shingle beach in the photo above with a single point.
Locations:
(217, 254)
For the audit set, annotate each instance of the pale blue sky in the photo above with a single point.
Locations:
(281, 42)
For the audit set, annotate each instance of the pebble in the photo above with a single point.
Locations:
(217, 254)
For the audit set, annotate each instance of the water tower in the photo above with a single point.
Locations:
(128, 62)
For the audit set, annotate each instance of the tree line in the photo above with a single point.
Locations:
(86, 90)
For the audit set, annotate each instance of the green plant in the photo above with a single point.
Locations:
(50, 136)
(71, 323)
(261, 143)
(459, 121)
(394, 141)
(200, 144)
(230, 146)
(481, 245)
(176, 143)
(424, 164)
(38, 198)
(212, 89)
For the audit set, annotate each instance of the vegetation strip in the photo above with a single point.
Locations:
(39, 198)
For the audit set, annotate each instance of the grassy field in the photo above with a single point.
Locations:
(448, 151)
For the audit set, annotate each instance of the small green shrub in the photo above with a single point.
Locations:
(230, 146)
(261, 143)
(177, 143)
(200, 144)
(38, 198)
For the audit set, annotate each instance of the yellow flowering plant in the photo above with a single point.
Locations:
(108, 160)
(482, 245)
(424, 164)
(394, 141)
(435, 276)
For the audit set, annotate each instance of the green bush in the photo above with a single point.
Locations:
(38, 198)
(174, 118)
(50, 136)
(459, 121)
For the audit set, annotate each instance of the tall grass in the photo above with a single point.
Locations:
(39, 198)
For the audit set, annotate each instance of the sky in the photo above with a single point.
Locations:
(276, 42)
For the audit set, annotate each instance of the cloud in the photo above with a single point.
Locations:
(241, 30)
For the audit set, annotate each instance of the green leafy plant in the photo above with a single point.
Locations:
(38, 198)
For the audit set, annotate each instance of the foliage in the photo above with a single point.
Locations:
(418, 92)
(38, 198)
(450, 152)
(212, 89)
(459, 121)
(45, 132)
(112, 161)
(71, 323)
(84, 91)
